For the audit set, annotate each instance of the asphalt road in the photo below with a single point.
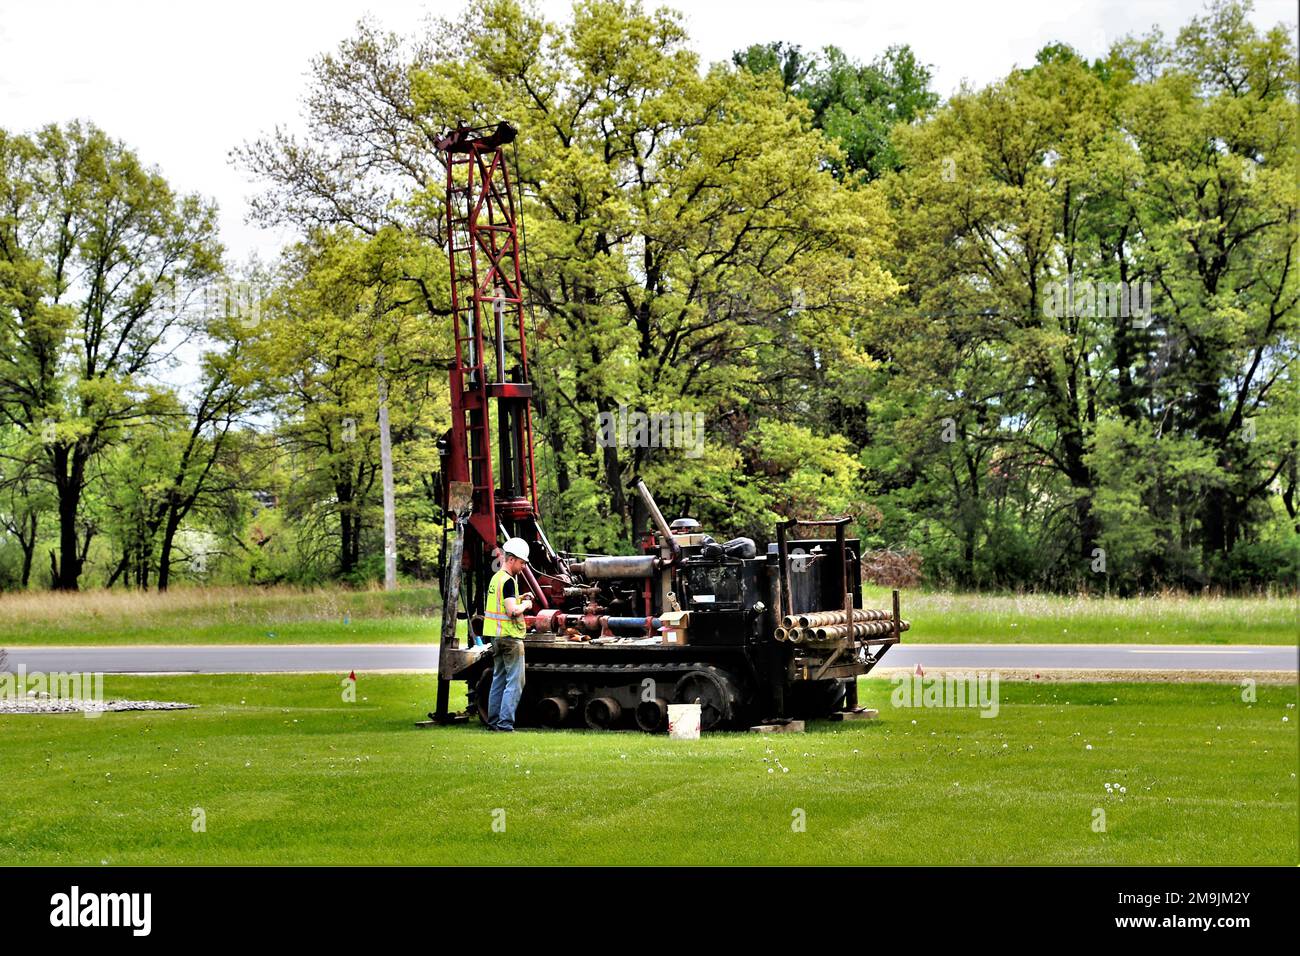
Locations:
(240, 659)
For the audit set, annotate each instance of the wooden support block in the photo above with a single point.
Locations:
(788, 727)
(862, 713)
(451, 719)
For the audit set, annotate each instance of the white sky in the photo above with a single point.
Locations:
(183, 83)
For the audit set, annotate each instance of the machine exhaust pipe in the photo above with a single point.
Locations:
(657, 517)
(652, 715)
(601, 713)
(605, 567)
(552, 711)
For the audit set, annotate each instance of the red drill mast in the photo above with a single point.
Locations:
(489, 379)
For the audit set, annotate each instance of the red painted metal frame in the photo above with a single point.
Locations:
(483, 256)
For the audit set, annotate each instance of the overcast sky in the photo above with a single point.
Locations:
(183, 83)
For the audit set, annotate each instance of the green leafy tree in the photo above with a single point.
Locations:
(856, 104)
(333, 328)
(1165, 173)
(93, 246)
(689, 249)
(684, 234)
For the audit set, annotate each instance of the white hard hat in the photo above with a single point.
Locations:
(517, 547)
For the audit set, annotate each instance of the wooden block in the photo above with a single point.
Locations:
(862, 713)
(452, 719)
(789, 727)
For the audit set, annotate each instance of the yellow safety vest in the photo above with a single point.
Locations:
(496, 622)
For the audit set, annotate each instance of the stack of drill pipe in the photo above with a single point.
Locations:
(825, 626)
(818, 619)
(821, 635)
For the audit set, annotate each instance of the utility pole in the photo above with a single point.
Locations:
(390, 506)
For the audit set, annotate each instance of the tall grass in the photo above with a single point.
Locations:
(199, 608)
(1166, 617)
(323, 615)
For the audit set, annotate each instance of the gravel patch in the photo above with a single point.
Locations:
(72, 705)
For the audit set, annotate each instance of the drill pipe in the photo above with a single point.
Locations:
(816, 619)
(866, 629)
(826, 618)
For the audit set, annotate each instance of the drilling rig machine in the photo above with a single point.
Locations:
(616, 638)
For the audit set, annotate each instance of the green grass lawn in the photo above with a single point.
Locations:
(287, 772)
(943, 618)
(412, 615)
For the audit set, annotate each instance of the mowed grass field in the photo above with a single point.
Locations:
(412, 615)
(285, 771)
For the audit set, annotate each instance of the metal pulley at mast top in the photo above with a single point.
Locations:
(491, 363)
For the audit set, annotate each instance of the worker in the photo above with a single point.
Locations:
(503, 621)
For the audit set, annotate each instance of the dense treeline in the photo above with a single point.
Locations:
(1042, 334)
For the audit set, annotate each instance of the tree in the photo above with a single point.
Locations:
(1102, 301)
(93, 248)
(856, 104)
(335, 325)
(683, 232)
(24, 498)
(1215, 226)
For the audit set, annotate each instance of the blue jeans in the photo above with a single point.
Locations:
(507, 682)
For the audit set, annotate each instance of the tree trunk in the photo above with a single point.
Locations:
(68, 472)
(69, 564)
(347, 549)
(165, 551)
(29, 550)
(614, 473)
(122, 567)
